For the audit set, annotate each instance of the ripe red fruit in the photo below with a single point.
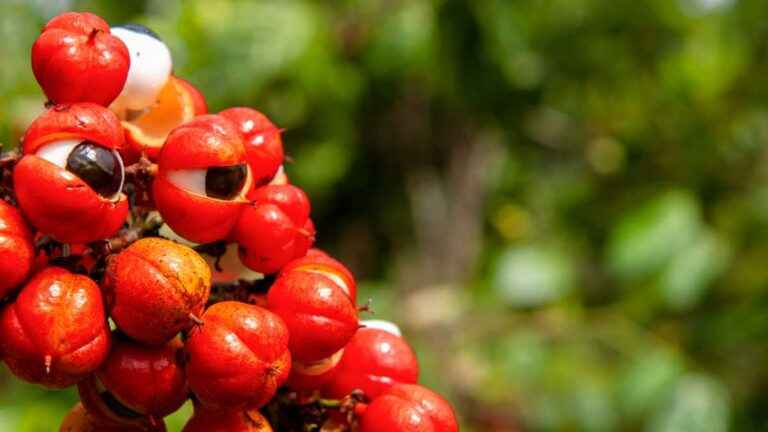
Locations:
(71, 171)
(409, 408)
(178, 103)
(76, 59)
(148, 380)
(317, 261)
(202, 179)
(262, 142)
(230, 420)
(373, 361)
(17, 253)
(154, 287)
(80, 420)
(55, 333)
(238, 356)
(275, 228)
(320, 316)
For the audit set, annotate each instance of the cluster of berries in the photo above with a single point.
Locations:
(93, 296)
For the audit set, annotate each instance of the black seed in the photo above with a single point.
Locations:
(225, 182)
(138, 28)
(97, 166)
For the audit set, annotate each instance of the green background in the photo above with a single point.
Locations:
(564, 203)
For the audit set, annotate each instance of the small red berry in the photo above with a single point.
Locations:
(275, 228)
(317, 261)
(149, 380)
(238, 356)
(17, 253)
(373, 361)
(262, 142)
(320, 316)
(227, 420)
(55, 333)
(76, 59)
(71, 171)
(409, 408)
(202, 179)
(155, 288)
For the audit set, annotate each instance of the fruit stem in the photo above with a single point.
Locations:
(196, 319)
(367, 307)
(93, 34)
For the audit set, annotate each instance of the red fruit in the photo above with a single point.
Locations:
(319, 314)
(76, 59)
(262, 142)
(102, 406)
(178, 103)
(373, 361)
(238, 356)
(409, 408)
(155, 288)
(237, 420)
(71, 171)
(275, 228)
(80, 420)
(202, 179)
(55, 333)
(17, 252)
(148, 380)
(314, 375)
(317, 261)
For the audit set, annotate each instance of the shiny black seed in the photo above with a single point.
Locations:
(138, 28)
(225, 182)
(97, 166)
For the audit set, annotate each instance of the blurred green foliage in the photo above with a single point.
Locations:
(564, 202)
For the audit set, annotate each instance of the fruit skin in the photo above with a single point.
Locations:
(318, 261)
(52, 197)
(263, 142)
(373, 361)
(409, 408)
(275, 228)
(237, 420)
(76, 59)
(153, 286)
(149, 380)
(198, 99)
(80, 420)
(137, 143)
(207, 141)
(17, 252)
(238, 357)
(319, 314)
(57, 322)
(78, 120)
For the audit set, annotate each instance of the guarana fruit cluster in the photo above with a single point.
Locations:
(118, 189)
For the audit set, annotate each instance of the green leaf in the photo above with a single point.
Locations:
(646, 238)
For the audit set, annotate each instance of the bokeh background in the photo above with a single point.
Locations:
(564, 203)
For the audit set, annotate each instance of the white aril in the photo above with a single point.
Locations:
(387, 326)
(150, 68)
